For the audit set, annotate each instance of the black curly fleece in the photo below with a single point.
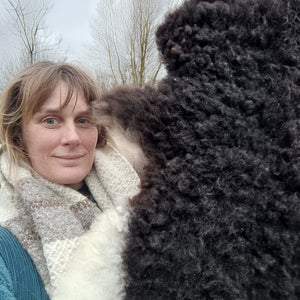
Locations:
(218, 216)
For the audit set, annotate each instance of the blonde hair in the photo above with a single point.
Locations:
(28, 91)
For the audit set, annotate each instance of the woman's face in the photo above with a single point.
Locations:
(60, 143)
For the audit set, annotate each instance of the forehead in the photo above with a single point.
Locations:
(63, 97)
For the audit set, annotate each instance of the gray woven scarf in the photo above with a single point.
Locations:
(49, 219)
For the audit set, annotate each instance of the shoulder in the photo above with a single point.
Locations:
(8, 242)
(6, 285)
(18, 269)
(6, 237)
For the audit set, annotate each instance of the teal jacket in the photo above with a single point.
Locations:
(19, 279)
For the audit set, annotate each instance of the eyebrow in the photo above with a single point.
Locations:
(58, 111)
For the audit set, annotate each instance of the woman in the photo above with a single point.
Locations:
(64, 190)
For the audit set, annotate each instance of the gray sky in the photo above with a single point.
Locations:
(68, 19)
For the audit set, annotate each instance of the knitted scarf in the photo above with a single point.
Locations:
(63, 230)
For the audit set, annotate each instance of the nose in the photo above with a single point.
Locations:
(70, 135)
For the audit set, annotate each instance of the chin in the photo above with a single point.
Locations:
(71, 181)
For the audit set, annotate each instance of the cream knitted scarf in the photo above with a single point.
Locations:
(75, 244)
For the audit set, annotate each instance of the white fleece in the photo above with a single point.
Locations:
(95, 271)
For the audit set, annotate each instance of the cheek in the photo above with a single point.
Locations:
(38, 143)
(89, 140)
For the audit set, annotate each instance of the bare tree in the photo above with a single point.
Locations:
(26, 18)
(141, 40)
(124, 40)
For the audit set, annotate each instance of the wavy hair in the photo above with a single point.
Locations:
(27, 92)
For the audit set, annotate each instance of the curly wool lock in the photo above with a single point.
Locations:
(218, 216)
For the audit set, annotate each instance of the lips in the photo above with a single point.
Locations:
(69, 160)
(69, 157)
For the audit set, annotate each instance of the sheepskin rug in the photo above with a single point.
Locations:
(217, 146)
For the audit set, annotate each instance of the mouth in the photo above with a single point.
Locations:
(69, 160)
(68, 157)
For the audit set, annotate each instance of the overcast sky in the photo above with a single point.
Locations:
(68, 19)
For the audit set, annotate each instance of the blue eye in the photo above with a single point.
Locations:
(83, 121)
(50, 121)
